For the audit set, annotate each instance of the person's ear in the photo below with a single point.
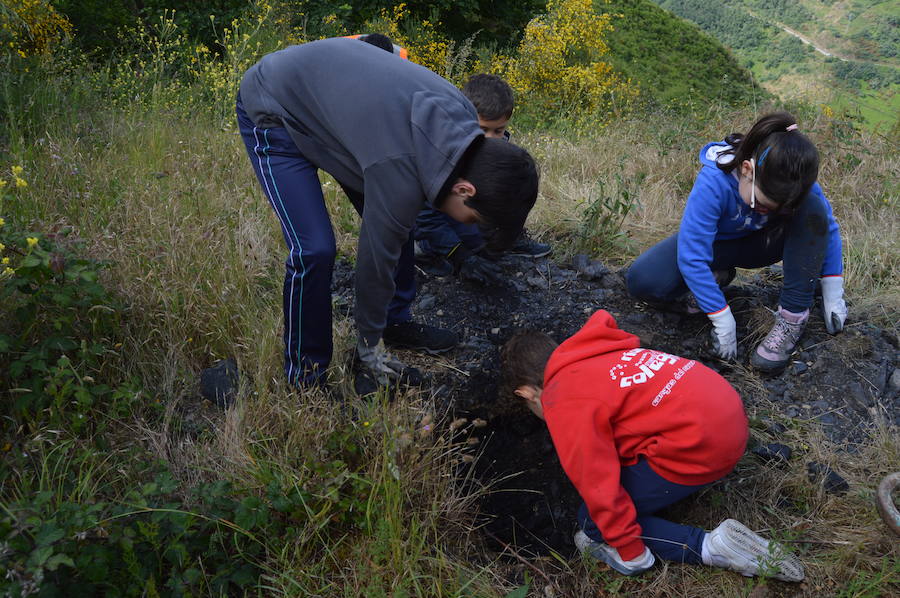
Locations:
(746, 168)
(463, 188)
(526, 392)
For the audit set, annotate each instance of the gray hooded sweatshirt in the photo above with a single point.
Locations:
(380, 125)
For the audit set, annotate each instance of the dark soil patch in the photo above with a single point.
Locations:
(842, 382)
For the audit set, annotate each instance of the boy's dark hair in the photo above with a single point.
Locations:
(506, 185)
(523, 359)
(379, 40)
(786, 161)
(491, 96)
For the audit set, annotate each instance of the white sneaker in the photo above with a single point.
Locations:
(734, 546)
(609, 555)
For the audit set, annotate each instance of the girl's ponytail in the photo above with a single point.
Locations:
(786, 161)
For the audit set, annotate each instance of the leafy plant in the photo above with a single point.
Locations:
(600, 229)
(52, 347)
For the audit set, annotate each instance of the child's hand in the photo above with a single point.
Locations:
(724, 334)
(833, 305)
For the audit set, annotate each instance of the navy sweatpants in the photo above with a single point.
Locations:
(800, 241)
(291, 183)
(650, 493)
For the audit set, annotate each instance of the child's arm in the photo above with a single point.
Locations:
(583, 438)
(699, 225)
(696, 234)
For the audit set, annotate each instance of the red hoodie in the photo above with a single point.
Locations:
(607, 402)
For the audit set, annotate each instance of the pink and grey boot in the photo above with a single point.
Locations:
(774, 352)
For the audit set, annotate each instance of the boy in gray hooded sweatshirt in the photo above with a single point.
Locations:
(395, 136)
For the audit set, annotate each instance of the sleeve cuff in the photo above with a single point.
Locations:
(631, 550)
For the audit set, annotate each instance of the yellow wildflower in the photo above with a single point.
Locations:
(2, 183)
(17, 170)
(4, 261)
(21, 182)
(2, 221)
(32, 241)
(9, 271)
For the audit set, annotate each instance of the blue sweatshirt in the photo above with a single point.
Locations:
(715, 211)
(381, 126)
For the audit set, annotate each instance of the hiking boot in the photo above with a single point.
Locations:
(774, 352)
(525, 246)
(735, 547)
(419, 337)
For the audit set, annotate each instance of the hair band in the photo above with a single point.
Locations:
(762, 156)
(792, 127)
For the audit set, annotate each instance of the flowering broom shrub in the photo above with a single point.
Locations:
(31, 27)
(557, 68)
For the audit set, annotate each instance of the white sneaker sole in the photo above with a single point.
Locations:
(750, 554)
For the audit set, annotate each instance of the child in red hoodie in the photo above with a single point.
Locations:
(637, 430)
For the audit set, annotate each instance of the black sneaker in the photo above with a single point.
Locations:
(419, 337)
(525, 246)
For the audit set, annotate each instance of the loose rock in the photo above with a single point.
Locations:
(830, 480)
(774, 452)
(219, 383)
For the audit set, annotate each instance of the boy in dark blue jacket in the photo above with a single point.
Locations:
(444, 245)
(397, 146)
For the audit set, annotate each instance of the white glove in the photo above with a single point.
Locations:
(610, 556)
(833, 306)
(724, 334)
(380, 362)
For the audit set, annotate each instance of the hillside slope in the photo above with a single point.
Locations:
(846, 54)
(675, 62)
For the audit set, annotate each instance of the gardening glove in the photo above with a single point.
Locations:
(380, 363)
(474, 268)
(724, 334)
(833, 305)
(610, 556)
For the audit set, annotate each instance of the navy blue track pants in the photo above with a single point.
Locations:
(800, 241)
(291, 184)
(650, 493)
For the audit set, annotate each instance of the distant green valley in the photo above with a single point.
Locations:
(844, 54)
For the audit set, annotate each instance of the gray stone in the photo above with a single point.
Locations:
(426, 302)
(828, 419)
(219, 383)
(774, 452)
(830, 480)
(591, 270)
(799, 367)
(894, 382)
(859, 395)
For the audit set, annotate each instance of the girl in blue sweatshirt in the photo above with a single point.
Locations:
(755, 202)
